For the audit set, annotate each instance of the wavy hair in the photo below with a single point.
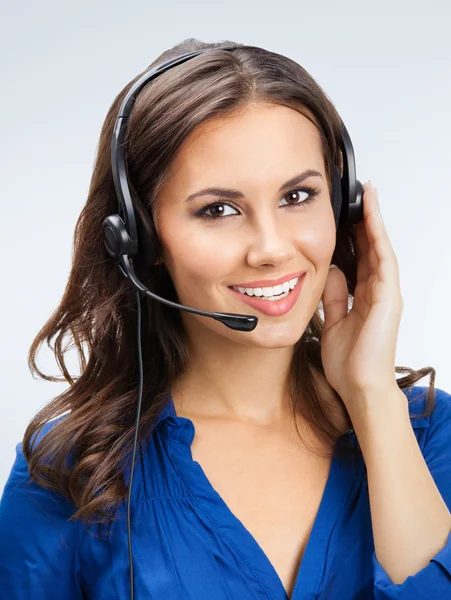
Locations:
(97, 314)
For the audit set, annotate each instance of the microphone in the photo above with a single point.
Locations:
(233, 321)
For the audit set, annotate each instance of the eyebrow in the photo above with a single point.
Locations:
(233, 194)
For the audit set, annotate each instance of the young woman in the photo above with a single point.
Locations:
(286, 462)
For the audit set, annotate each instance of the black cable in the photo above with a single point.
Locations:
(138, 414)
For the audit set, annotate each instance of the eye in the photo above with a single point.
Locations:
(311, 192)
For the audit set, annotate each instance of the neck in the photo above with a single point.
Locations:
(231, 380)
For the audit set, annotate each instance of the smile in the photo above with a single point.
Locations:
(274, 301)
(276, 292)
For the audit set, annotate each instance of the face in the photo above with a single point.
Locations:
(260, 232)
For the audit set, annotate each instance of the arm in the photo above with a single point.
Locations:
(410, 518)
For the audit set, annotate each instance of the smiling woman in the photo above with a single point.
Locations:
(251, 482)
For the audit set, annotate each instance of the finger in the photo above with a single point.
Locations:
(372, 238)
(335, 298)
(385, 261)
(361, 234)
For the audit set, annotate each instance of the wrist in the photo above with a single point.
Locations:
(375, 408)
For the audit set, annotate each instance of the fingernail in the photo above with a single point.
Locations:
(333, 267)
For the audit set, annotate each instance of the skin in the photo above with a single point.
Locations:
(242, 376)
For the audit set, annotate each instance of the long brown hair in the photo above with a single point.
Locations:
(98, 311)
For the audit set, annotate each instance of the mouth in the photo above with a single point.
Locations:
(277, 302)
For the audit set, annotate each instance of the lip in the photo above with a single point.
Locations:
(270, 282)
(275, 308)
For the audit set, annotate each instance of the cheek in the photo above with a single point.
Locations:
(318, 239)
(196, 258)
(320, 246)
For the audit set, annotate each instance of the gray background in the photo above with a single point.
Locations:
(385, 65)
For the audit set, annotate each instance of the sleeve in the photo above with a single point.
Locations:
(38, 546)
(434, 580)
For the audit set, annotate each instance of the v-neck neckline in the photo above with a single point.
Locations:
(343, 473)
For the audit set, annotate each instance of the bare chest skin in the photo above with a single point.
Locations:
(269, 481)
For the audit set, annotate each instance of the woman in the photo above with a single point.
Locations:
(284, 462)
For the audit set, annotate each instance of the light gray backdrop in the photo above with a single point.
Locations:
(385, 65)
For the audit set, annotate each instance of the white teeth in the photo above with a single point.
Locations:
(272, 291)
(268, 292)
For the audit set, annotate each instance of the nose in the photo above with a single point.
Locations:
(271, 245)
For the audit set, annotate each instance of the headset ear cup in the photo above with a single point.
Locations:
(336, 194)
(115, 237)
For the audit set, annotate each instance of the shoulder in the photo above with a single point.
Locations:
(20, 486)
(38, 541)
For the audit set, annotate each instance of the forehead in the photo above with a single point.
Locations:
(275, 140)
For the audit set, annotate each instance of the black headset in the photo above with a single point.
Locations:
(124, 236)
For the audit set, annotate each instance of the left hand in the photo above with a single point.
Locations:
(358, 347)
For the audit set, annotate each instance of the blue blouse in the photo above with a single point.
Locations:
(187, 544)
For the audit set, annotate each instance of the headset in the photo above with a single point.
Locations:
(124, 236)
